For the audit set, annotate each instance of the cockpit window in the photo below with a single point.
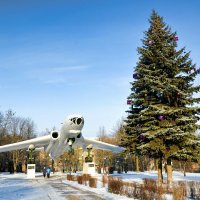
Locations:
(73, 120)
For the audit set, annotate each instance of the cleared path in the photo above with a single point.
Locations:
(65, 191)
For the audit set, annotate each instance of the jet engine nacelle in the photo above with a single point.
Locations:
(53, 142)
(54, 135)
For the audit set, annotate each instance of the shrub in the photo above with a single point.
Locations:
(198, 190)
(129, 189)
(151, 190)
(74, 178)
(135, 190)
(159, 193)
(150, 185)
(69, 177)
(80, 179)
(183, 185)
(178, 193)
(115, 185)
(92, 182)
(143, 195)
(194, 189)
(104, 180)
(85, 178)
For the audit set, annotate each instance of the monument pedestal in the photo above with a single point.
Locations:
(30, 170)
(89, 168)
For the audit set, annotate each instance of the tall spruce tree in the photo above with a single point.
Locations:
(163, 114)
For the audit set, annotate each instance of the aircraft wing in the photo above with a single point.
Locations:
(37, 142)
(103, 146)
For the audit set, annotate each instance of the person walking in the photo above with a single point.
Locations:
(44, 172)
(48, 172)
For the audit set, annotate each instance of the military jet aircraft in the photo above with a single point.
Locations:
(57, 142)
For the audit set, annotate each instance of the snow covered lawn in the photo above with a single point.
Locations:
(133, 177)
(18, 187)
(138, 177)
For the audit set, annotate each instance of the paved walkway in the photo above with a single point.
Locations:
(72, 193)
(14, 187)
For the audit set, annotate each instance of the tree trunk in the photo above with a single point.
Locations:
(24, 166)
(160, 176)
(180, 166)
(184, 168)
(169, 171)
(155, 164)
(52, 165)
(14, 158)
(137, 163)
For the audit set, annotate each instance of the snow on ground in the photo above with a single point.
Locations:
(134, 177)
(99, 190)
(138, 177)
(18, 187)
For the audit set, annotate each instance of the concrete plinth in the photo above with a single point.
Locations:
(89, 168)
(30, 170)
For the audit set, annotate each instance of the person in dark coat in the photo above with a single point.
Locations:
(44, 172)
(48, 172)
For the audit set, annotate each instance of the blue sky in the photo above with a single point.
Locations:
(77, 56)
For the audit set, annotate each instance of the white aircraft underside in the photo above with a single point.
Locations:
(57, 143)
